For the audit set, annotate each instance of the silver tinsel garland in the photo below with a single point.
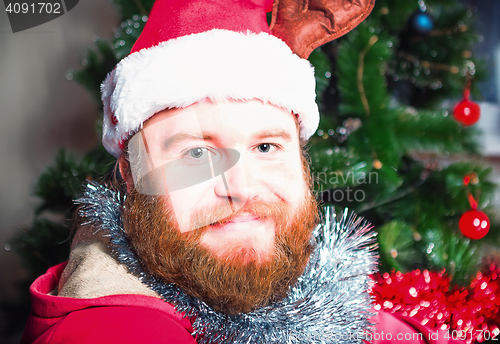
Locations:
(329, 304)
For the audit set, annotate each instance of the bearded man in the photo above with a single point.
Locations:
(215, 237)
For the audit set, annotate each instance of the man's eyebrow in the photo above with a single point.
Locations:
(271, 133)
(274, 133)
(186, 136)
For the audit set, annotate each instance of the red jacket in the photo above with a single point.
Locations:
(143, 319)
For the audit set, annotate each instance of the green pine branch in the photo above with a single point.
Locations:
(430, 131)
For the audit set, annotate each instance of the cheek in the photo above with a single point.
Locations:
(284, 178)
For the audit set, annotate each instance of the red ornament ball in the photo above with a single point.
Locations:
(466, 112)
(474, 224)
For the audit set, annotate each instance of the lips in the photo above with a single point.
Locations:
(240, 223)
(243, 218)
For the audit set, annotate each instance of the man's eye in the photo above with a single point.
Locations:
(197, 152)
(264, 147)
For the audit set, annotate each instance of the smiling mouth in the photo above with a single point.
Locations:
(239, 223)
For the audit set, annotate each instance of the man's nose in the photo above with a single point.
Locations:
(233, 185)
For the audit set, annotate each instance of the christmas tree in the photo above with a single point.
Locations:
(386, 148)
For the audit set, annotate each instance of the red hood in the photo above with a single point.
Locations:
(48, 311)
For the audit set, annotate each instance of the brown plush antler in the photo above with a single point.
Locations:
(307, 24)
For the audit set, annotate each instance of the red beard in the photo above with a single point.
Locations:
(239, 283)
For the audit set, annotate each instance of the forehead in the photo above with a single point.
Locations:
(229, 120)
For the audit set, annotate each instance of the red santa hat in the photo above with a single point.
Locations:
(194, 50)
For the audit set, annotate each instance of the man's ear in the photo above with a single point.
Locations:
(126, 172)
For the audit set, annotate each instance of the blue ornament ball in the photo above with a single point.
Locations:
(421, 23)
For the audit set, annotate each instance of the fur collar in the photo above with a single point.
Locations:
(329, 304)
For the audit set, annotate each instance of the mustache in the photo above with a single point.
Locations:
(223, 213)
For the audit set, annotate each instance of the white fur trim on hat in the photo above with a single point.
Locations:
(216, 65)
